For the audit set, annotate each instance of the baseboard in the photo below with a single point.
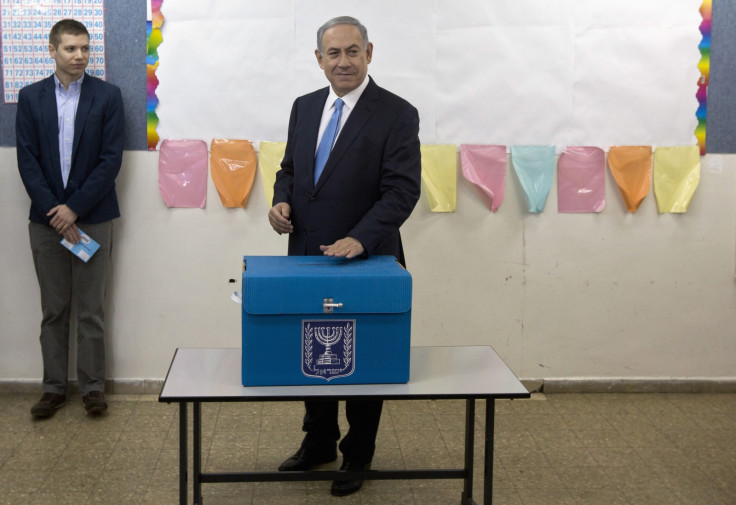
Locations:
(631, 385)
(114, 386)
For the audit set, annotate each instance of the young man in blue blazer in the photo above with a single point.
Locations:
(346, 202)
(69, 139)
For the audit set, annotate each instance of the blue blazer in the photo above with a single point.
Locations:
(370, 183)
(96, 153)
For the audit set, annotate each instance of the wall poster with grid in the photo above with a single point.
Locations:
(25, 39)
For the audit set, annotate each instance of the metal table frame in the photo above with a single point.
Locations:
(470, 373)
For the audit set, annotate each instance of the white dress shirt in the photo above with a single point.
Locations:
(350, 100)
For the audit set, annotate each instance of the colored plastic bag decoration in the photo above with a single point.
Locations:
(581, 179)
(233, 168)
(271, 154)
(676, 177)
(439, 176)
(485, 166)
(182, 173)
(631, 167)
(535, 168)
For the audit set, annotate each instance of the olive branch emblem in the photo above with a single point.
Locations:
(308, 343)
(347, 345)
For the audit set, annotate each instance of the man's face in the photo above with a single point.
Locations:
(344, 61)
(72, 57)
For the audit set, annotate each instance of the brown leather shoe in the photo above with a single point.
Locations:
(48, 405)
(94, 402)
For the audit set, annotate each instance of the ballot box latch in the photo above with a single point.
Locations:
(329, 305)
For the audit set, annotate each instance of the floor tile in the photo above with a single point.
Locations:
(591, 449)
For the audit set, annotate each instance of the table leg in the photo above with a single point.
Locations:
(197, 452)
(467, 497)
(488, 469)
(183, 453)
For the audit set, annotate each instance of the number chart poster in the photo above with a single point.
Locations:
(25, 39)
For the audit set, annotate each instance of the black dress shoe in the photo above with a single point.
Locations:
(48, 405)
(94, 402)
(344, 487)
(305, 458)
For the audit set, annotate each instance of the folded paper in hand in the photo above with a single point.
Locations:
(84, 249)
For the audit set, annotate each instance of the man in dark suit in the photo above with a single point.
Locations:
(351, 207)
(69, 136)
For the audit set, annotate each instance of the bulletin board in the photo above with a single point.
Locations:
(232, 68)
(124, 65)
(722, 88)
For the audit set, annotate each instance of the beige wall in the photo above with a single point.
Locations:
(608, 295)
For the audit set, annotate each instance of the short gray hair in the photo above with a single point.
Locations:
(341, 20)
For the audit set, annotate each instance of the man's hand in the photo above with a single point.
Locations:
(72, 234)
(347, 247)
(62, 219)
(280, 218)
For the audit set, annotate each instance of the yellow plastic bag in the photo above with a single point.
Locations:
(269, 163)
(439, 175)
(676, 177)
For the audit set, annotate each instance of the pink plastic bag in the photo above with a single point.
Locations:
(581, 180)
(485, 166)
(182, 173)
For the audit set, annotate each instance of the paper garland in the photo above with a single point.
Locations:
(153, 40)
(581, 174)
(704, 66)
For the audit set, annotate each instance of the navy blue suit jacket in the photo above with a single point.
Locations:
(370, 183)
(96, 154)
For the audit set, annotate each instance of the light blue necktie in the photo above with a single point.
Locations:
(328, 139)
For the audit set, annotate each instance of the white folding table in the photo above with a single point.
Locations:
(437, 373)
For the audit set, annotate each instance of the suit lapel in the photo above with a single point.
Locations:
(50, 118)
(314, 115)
(86, 98)
(358, 118)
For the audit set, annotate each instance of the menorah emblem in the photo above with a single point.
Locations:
(328, 337)
(328, 348)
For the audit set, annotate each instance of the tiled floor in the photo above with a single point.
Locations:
(590, 449)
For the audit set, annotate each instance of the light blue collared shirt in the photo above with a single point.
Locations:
(67, 101)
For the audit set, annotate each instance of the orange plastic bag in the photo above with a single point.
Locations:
(631, 166)
(233, 166)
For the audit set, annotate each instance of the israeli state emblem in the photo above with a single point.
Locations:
(328, 348)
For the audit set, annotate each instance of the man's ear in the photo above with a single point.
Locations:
(319, 59)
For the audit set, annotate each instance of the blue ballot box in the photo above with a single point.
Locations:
(319, 320)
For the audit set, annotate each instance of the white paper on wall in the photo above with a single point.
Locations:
(562, 72)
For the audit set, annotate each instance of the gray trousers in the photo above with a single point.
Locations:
(64, 280)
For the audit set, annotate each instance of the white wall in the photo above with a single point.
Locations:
(557, 295)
